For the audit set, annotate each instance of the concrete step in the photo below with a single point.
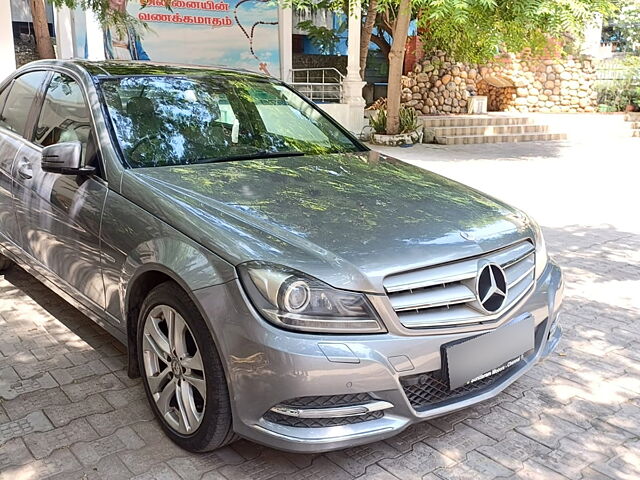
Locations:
(635, 125)
(487, 130)
(473, 120)
(632, 117)
(635, 133)
(512, 138)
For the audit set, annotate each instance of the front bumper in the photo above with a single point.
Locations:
(266, 367)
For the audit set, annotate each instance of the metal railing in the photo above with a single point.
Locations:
(322, 85)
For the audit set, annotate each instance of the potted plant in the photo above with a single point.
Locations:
(410, 129)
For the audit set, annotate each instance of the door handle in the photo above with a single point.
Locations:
(25, 171)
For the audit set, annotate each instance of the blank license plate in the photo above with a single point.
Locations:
(478, 357)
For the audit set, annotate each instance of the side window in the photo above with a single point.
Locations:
(64, 116)
(19, 100)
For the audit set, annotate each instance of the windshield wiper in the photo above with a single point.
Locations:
(251, 156)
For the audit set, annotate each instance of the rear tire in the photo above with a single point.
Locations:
(5, 263)
(183, 378)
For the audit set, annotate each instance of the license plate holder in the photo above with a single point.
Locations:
(478, 357)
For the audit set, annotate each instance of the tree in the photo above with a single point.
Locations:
(41, 29)
(476, 30)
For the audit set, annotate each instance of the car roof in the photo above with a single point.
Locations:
(112, 68)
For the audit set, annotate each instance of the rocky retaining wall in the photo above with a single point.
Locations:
(517, 83)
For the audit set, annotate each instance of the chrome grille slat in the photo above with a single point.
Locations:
(432, 276)
(432, 297)
(443, 296)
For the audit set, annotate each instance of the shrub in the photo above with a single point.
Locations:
(408, 119)
(379, 121)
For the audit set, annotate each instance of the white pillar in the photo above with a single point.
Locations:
(285, 30)
(65, 33)
(7, 49)
(95, 37)
(353, 83)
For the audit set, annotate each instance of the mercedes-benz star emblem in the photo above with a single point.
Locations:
(491, 287)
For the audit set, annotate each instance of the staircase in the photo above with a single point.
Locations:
(496, 128)
(634, 120)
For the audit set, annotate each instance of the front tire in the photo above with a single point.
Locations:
(181, 371)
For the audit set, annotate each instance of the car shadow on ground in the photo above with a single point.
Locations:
(574, 414)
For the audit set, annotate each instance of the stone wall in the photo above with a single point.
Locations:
(517, 83)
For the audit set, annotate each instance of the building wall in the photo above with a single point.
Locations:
(516, 83)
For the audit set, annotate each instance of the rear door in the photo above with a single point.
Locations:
(16, 102)
(60, 215)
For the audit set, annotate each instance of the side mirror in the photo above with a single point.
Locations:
(64, 158)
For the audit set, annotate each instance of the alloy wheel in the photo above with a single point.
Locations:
(173, 369)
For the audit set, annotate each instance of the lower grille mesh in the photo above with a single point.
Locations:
(430, 390)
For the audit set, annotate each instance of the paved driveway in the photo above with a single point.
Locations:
(68, 410)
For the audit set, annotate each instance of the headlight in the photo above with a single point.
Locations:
(295, 301)
(541, 251)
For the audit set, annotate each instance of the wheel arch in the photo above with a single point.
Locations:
(165, 259)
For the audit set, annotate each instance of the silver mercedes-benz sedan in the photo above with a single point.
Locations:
(270, 276)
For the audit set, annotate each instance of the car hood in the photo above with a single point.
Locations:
(348, 219)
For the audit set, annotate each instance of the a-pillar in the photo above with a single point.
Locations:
(353, 84)
(7, 49)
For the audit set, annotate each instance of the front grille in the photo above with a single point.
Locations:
(444, 296)
(320, 422)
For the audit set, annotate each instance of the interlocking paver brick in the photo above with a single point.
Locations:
(570, 458)
(28, 370)
(107, 468)
(58, 462)
(376, 472)
(42, 444)
(267, 465)
(10, 390)
(356, 460)
(512, 450)
(422, 459)
(65, 376)
(63, 414)
(160, 471)
(122, 398)
(34, 422)
(549, 430)
(107, 423)
(14, 452)
(461, 441)
(81, 390)
(321, 469)
(497, 423)
(30, 402)
(158, 448)
(123, 439)
(475, 467)
(192, 467)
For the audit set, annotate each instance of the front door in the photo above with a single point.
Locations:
(16, 100)
(60, 215)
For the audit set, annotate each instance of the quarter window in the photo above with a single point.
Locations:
(18, 103)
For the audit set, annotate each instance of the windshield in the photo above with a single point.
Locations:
(165, 120)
